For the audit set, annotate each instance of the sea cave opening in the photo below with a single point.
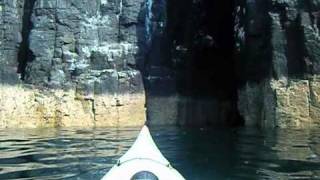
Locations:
(190, 67)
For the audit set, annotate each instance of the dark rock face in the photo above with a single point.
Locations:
(72, 40)
(11, 13)
(57, 42)
(277, 48)
(190, 64)
(282, 34)
(255, 58)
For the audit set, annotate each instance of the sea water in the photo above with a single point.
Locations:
(197, 153)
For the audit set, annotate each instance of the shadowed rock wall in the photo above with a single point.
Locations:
(189, 70)
(278, 58)
(11, 13)
(234, 62)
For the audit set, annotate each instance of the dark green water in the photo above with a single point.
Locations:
(199, 154)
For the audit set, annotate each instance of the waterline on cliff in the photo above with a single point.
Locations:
(32, 107)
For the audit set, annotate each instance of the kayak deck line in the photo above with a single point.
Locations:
(142, 159)
(144, 147)
(120, 163)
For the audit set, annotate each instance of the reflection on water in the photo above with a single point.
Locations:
(197, 153)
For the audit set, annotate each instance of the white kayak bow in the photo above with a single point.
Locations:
(143, 157)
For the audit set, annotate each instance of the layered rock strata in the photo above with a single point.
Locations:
(71, 63)
(278, 44)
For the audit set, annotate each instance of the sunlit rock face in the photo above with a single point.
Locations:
(81, 56)
(277, 48)
(31, 107)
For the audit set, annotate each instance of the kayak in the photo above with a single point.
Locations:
(143, 161)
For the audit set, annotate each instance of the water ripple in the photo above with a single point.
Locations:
(199, 154)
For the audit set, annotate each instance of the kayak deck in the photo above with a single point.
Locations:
(143, 156)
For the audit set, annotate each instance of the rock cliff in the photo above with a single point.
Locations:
(278, 53)
(185, 62)
(236, 61)
(71, 63)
